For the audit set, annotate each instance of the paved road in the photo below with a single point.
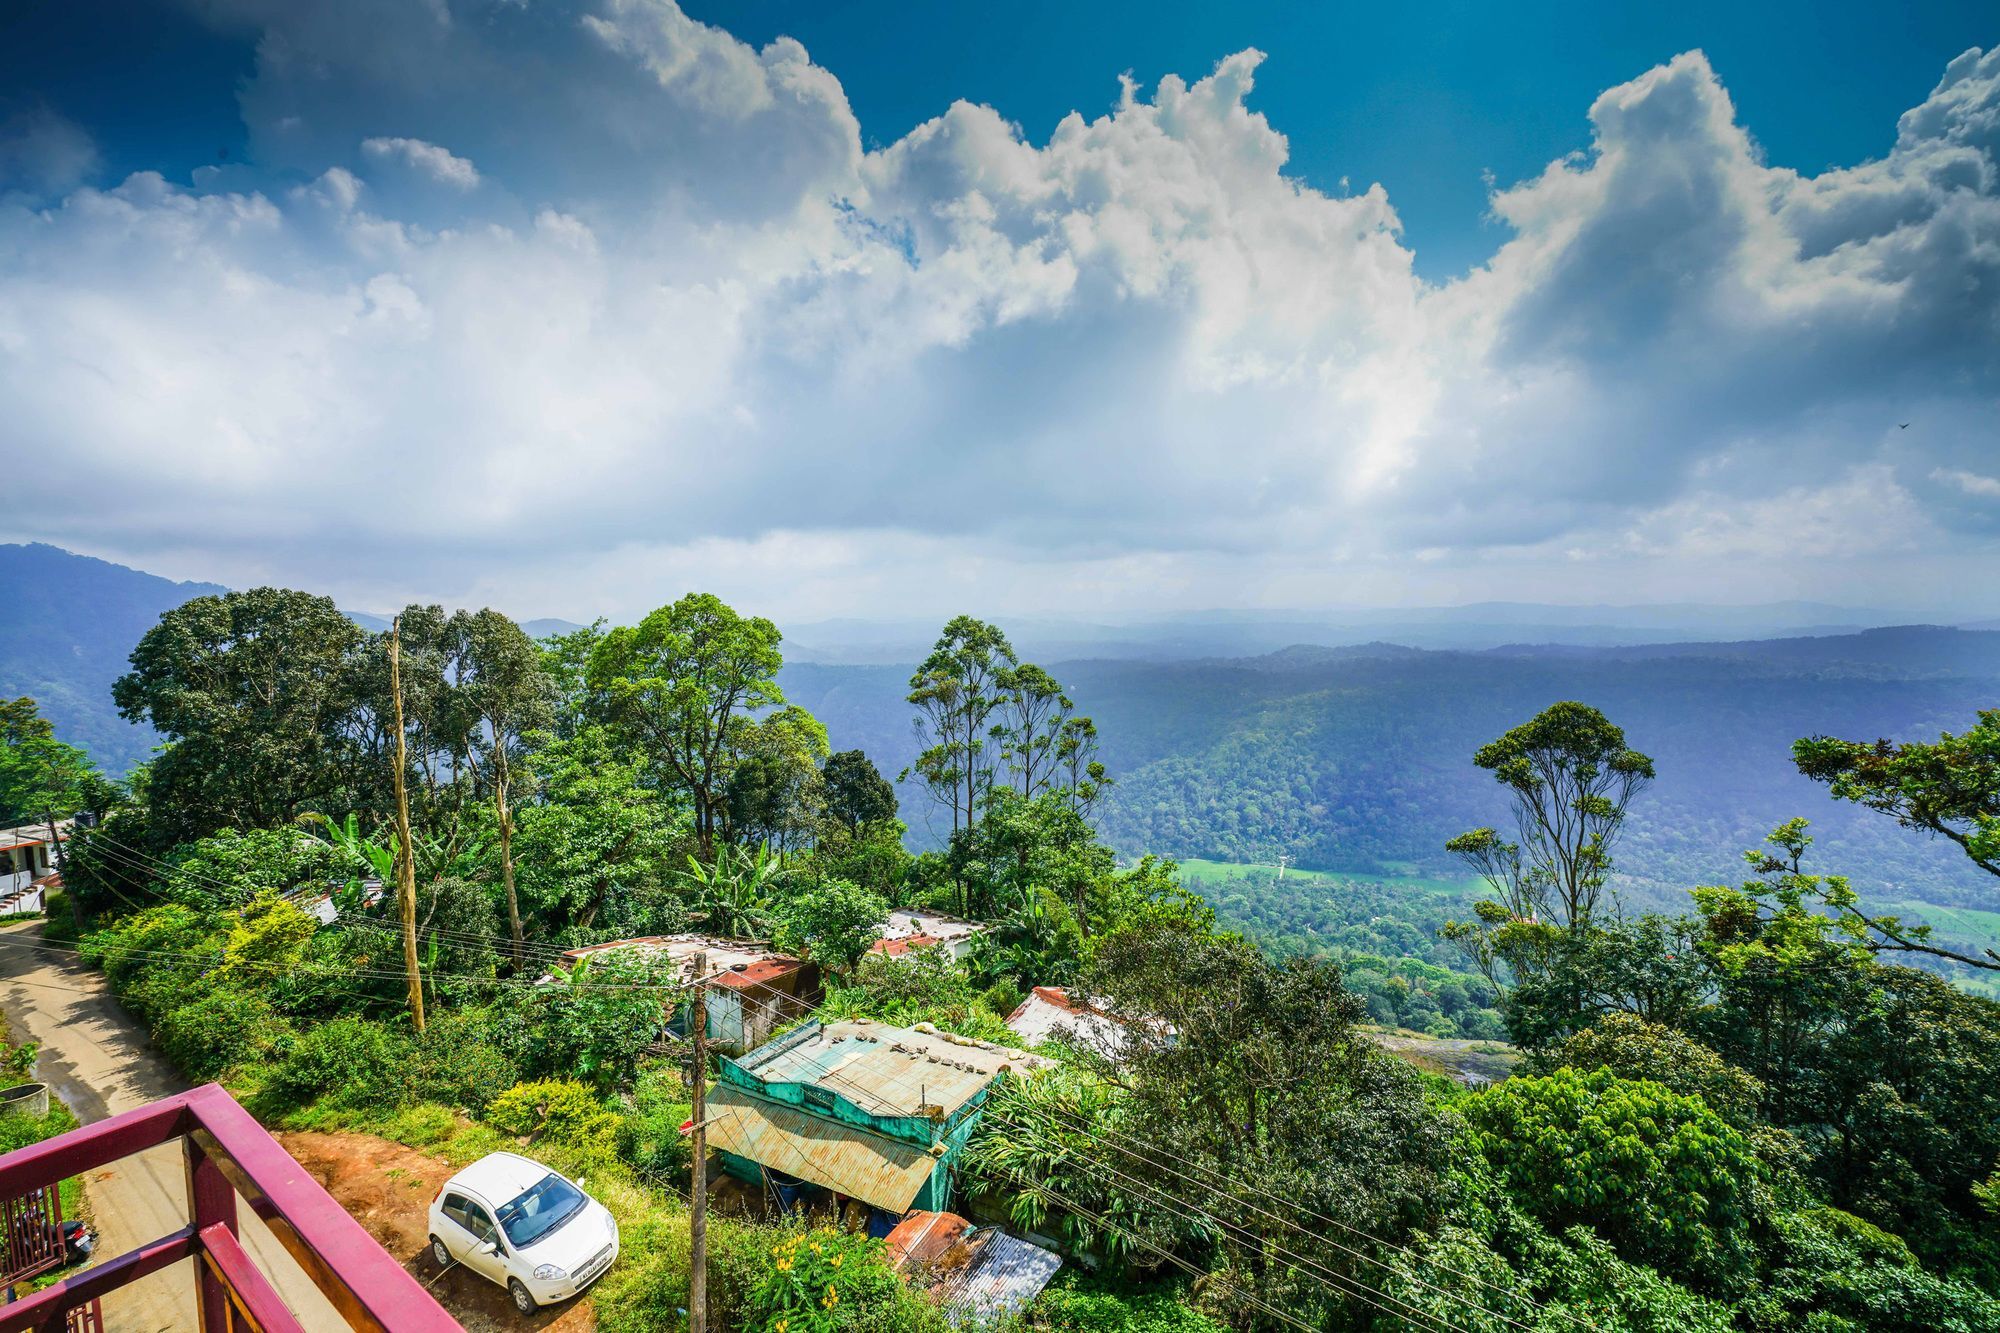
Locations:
(101, 1062)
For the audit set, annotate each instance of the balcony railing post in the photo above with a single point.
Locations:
(212, 1199)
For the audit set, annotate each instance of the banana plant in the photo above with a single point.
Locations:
(732, 896)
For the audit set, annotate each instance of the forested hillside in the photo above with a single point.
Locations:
(67, 623)
(1351, 759)
(1359, 759)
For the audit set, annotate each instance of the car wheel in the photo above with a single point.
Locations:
(440, 1253)
(523, 1302)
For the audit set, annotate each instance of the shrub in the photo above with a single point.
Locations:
(18, 1131)
(822, 1281)
(561, 1112)
(1002, 997)
(459, 1065)
(349, 1060)
(597, 1022)
(1072, 1305)
(649, 1138)
(1661, 1176)
(222, 1029)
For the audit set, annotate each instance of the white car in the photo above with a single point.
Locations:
(523, 1226)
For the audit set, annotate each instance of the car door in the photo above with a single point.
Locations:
(468, 1228)
(485, 1254)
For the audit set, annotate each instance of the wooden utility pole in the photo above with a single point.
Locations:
(406, 864)
(698, 1202)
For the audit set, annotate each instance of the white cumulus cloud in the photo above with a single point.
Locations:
(440, 164)
(686, 328)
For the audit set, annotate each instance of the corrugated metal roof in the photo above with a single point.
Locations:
(882, 1171)
(887, 1071)
(1003, 1276)
(1052, 1010)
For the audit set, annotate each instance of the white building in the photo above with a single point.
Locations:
(27, 859)
(1051, 1011)
(908, 928)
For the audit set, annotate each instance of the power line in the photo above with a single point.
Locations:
(1100, 1134)
(1103, 1133)
(1328, 1278)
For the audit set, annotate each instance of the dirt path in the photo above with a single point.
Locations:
(388, 1188)
(1475, 1064)
(100, 1061)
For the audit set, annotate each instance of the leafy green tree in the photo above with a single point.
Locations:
(833, 922)
(253, 693)
(511, 695)
(44, 780)
(1635, 1049)
(957, 690)
(1030, 721)
(857, 794)
(566, 664)
(732, 895)
(1251, 1074)
(596, 841)
(1084, 776)
(1572, 777)
(1829, 1269)
(681, 687)
(1652, 969)
(1950, 787)
(1023, 845)
(775, 793)
(1660, 1176)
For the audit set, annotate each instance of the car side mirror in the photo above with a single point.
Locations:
(489, 1247)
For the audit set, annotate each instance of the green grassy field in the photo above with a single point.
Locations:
(1197, 873)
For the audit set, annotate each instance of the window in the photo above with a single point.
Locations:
(477, 1222)
(540, 1210)
(468, 1215)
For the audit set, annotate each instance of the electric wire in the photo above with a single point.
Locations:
(1100, 1134)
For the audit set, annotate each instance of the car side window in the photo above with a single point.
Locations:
(478, 1223)
(454, 1208)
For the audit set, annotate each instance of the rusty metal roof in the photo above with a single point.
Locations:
(837, 1156)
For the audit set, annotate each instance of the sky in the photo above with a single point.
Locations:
(872, 309)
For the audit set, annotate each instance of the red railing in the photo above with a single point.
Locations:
(32, 1225)
(230, 1161)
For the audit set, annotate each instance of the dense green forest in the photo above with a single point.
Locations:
(1354, 760)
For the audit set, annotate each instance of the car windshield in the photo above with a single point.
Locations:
(539, 1210)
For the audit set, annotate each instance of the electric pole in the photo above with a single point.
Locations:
(698, 1210)
(406, 868)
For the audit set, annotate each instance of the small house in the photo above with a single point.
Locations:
(908, 929)
(862, 1109)
(1052, 1011)
(750, 992)
(28, 866)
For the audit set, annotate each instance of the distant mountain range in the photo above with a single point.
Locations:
(1346, 754)
(1246, 633)
(68, 623)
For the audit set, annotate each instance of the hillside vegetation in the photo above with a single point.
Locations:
(1355, 760)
